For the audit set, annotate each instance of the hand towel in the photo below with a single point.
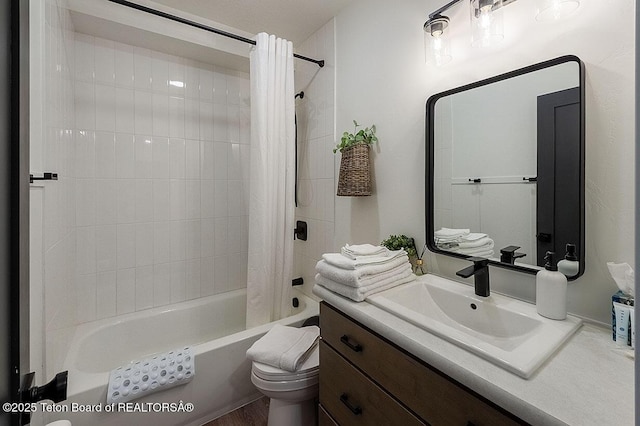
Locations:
(473, 236)
(359, 294)
(477, 243)
(365, 275)
(284, 347)
(340, 261)
(357, 250)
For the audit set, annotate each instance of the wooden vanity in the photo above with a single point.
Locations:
(367, 380)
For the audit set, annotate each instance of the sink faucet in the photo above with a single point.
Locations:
(509, 255)
(480, 272)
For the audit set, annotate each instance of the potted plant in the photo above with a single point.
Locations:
(397, 242)
(355, 175)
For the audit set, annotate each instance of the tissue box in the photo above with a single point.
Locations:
(625, 299)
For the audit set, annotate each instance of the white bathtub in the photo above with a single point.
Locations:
(212, 326)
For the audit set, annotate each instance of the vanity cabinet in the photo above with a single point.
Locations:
(367, 380)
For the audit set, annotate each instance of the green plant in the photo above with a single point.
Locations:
(366, 136)
(397, 242)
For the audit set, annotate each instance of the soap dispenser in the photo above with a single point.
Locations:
(569, 266)
(551, 290)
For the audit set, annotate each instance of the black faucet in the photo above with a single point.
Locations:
(509, 255)
(480, 272)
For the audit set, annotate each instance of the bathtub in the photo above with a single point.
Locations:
(212, 326)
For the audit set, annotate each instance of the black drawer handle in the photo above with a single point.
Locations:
(345, 400)
(356, 348)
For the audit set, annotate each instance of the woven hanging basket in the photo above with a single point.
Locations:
(355, 174)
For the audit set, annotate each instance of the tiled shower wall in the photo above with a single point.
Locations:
(162, 155)
(316, 140)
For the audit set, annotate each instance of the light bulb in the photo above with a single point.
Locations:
(549, 10)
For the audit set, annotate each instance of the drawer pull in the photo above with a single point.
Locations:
(356, 348)
(345, 400)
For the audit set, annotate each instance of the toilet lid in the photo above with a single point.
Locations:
(308, 368)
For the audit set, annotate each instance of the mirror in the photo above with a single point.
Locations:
(505, 175)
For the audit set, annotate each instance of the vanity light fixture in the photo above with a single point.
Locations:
(487, 27)
(436, 42)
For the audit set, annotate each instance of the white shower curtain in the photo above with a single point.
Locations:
(271, 205)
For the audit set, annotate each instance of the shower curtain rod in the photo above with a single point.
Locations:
(142, 8)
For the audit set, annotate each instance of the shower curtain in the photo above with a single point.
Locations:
(271, 204)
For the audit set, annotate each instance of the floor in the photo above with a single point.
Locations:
(254, 414)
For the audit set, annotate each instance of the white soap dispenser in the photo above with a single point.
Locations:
(551, 290)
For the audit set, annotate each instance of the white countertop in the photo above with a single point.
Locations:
(587, 382)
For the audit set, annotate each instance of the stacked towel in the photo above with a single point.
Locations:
(285, 347)
(354, 274)
(464, 242)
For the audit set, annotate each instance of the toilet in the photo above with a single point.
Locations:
(293, 394)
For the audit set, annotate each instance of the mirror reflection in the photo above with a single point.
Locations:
(507, 166)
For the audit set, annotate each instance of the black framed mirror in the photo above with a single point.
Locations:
(505, 167)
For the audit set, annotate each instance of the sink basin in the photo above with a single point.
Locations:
(505, 331)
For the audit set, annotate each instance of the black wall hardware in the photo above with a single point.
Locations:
(55, 390)
(295, 302)
(475, 180)
(297, 281)
(530, 179)
(45, 176)
(301, 231)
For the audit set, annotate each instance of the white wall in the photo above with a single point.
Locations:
(381, 78)
(315, 151)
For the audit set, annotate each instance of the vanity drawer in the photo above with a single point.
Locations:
(324, 419)
(353, 399)
(428, 393)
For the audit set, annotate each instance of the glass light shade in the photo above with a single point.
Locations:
(550, 10)
(487, 27)
(436, 43)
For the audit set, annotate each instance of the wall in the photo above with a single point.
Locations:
(162, 164)
(382, 79)
(316, 140)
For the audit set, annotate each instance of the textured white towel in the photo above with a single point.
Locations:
(473, 236)
(284, 347)
(365, 275)
(358, 250)
(485, 241)
(360, 293)
(340, 261)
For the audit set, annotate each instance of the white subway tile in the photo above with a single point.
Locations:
(86, 298)
(126, 201)
(125, 156)
(206, 276)
(126, 291)
(234, 162)
(177, 81)
(85, 202)
(125, 110)
(207, 198)
(86, 250)
(106, 294)
(192, 198)
(192, 80)
(221, 231)
(177, 243)
(144, 200)
(161, 284)
(177, 199)
(161, 242)
(192, 164)
(106, 247)
(85, 150)
(192, 239)
(191, 119)
(106, 202)
(85, 106)
(143, 157)
(83, 55)
(206, 121)
(143, 112)
(220, 86)
(192, 279)
(126, 245)
(207, 240)
(159, 72)
(236, 199)
(221, 157)
(160, 114)
(161, 200)
(124, 68)
(221, 274)
(104, 61)
(176, 117)
(105, 107)
(178, 281)
(220, 123)
(221, 198)
(144, 244)
(206, 82)
(177, 158)
(144, 287)
(105, 155)
(160, 155)
(142, 64)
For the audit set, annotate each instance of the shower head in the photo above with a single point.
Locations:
(299, 95)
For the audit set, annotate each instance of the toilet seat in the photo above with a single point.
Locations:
(309, 369)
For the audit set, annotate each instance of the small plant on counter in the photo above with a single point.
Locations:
(365, 136)
(397, 242)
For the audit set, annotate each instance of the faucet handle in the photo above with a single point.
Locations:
(479, 261)
(508, 254)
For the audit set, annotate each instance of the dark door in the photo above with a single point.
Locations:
(558, 197)
(14, 204)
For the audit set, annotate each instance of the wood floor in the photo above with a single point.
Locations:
(254, 414)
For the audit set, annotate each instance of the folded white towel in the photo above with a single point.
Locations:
(473, 236)
(485, 241)
(284, 347)
(365, 275)
(483, 253)
(357, 250)
(451, 232)
(337, 259)
(360, 293)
